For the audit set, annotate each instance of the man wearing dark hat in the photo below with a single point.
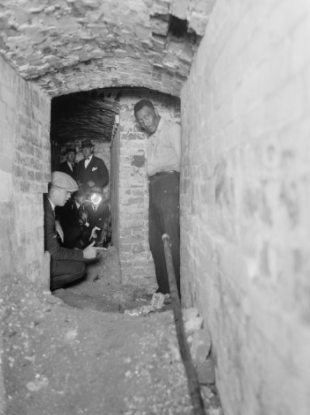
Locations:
(91, 171)
(67, 265)
(69, 165)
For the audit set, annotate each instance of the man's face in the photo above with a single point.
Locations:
(147, 119)
(61, 197)
(87, 151)
(71, 156)
(80, 199)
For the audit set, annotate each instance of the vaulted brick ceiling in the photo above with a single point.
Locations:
(74, 45)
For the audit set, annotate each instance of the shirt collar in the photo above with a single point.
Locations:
(89, 158)
(52, 204)
(159, 126)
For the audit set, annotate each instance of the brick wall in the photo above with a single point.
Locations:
(245, 224)
(135, 257)
(115, 43)
(24, 173)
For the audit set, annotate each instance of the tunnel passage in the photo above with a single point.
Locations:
(245, 233)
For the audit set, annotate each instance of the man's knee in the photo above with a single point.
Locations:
(79, 268)
(67, 272)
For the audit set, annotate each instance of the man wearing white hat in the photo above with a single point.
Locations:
(67, 265)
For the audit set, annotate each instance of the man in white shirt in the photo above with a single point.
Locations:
(163, 169)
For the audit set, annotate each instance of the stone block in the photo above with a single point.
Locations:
(189, 313)
(193, 324)
(6, 186)
(200, 345)
(205, 372)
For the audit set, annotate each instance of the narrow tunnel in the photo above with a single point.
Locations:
(235, 77)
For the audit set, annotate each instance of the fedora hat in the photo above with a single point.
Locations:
(70, 149)
(87, 143)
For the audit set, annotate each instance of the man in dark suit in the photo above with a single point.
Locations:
(74, 221)
(91, 171)
(67, 265)
(69, 166)
(97, 207)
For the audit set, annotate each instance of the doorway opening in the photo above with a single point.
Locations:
(106, 117)
(78, 119)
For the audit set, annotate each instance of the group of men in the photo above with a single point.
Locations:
(163, 170)
(71, 225)
(90, 171)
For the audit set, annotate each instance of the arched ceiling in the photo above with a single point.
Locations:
(67, 46)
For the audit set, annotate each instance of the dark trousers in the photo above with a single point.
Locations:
(164, 217)
(64, 272)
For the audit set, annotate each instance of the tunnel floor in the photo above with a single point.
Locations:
(76, 352)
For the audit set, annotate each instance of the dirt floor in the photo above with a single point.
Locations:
(76, 352)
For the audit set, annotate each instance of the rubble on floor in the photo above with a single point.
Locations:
(59, 359)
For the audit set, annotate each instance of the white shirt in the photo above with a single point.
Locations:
(164, 148)
(70, 165)
(87, 161)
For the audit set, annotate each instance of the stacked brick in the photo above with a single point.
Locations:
(136, 262)
(245, 202)
(25, 171)
(79, 45)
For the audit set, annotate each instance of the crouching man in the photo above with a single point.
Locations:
(67, 265)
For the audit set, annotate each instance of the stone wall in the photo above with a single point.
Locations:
(24, 173)
(245, 225)
(136, 260)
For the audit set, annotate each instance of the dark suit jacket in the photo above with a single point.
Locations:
(50, 238)
(95, 171)
(66, 169)
(75, 233)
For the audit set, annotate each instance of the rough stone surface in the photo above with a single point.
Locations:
(245, 202)
(189, 313)
(62, 360)
(69, 46)
(205, 372)
(200, 345)
(195, 323)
